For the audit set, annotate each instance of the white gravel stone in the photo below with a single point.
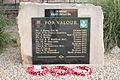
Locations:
(116, 49)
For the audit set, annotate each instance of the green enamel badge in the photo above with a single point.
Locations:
(84, 23)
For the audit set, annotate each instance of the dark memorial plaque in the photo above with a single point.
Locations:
(61, 40)
(61, 12)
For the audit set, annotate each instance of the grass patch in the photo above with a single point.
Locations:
(5, 38)
(111, 10)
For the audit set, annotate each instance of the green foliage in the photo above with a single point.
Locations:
(111, 10)
(4, 36)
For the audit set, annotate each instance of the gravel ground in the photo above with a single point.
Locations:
(12, 69)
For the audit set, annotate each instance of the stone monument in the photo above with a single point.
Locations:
(60, 33)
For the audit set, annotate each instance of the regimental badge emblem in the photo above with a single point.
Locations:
(84, 23)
